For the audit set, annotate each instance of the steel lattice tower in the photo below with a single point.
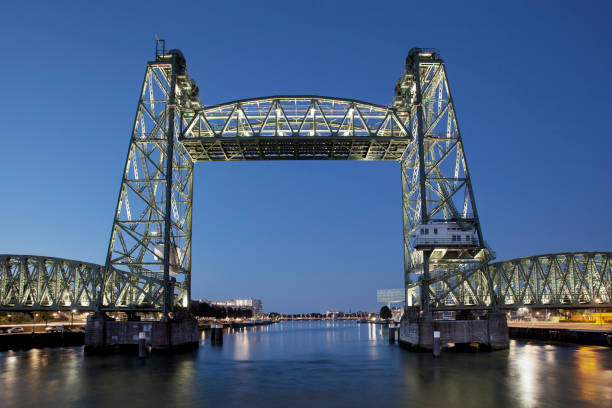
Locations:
(436, 185)
(151, 233)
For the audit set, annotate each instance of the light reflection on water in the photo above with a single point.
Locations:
(305, 364)
(523, 372)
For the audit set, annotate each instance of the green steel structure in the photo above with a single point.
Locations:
(435, 180)
(565, 280)
(148, 263)
(151, 235)
(30, 282)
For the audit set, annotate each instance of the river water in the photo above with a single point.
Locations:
(310, 364)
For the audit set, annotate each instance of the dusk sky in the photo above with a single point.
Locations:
(531, 84)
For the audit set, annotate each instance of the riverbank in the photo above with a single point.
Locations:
(574, 333)
(236, 324)
(25, 341)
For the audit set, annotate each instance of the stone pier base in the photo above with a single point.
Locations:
(490, 332)
(104, 334)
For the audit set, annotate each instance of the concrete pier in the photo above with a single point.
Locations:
(490, 332)
(104, 334)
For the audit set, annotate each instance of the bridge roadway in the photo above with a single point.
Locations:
(564, 280)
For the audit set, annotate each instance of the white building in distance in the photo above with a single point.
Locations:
(254, 305)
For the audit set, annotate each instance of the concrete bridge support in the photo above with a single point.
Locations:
(490, 332)
(104, 334)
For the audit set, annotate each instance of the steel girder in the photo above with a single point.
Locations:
(29, 282)
(296, 128)
(564, 280)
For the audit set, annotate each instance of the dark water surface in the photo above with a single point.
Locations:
(310, 364)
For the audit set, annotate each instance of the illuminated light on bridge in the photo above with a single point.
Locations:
(296, 128)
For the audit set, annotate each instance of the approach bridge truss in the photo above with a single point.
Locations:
(30, 282)
(564, 280)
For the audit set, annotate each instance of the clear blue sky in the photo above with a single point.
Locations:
(531, 83)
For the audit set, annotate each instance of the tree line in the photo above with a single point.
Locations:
(203, 309)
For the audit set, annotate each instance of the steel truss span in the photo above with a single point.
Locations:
(296, 128)
(564, 280)
(29, 282)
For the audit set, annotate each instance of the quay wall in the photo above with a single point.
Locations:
(587, 337)
(24, 341)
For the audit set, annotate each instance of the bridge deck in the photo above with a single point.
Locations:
(295, 148)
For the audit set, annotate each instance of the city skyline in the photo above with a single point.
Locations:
(311, 236)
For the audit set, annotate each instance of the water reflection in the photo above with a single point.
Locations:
(373, 332)
(550, 354)
(524, 370)
(589, 368)
(241, 344)
(305, 364)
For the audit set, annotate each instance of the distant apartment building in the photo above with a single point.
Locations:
(255, 305)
